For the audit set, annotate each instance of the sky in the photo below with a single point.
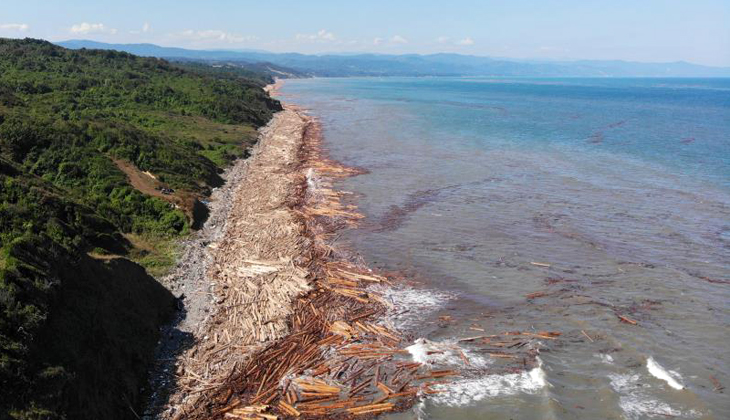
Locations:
(696, 31)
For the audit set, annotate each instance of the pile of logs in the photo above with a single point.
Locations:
(337, 359)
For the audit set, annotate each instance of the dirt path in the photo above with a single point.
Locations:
(146, 183)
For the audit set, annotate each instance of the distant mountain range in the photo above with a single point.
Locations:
(332, 65)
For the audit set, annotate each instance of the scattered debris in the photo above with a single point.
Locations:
(718, 387)
(540, 264)
(627, 320)
(297, 330)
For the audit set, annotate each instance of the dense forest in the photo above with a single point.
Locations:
(104, 159)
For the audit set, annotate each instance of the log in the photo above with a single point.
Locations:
(627, 320)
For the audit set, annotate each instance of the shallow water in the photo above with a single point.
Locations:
(619, 190)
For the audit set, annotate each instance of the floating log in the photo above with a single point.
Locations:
(626, 319)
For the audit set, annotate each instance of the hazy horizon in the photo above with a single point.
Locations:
(651, 31)
(348, 53)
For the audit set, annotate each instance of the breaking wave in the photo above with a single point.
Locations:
(409, 305)
(670, 377)
(467, 391)
(636, 403)
(445, 354)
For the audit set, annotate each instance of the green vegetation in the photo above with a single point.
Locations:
(78, 321)
(65, 113)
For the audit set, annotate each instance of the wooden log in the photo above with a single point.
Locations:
(627, 320)
(288, 409)
(359, 388)
(371, 408)
(384, 388)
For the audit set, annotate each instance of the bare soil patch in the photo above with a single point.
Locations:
(147, 183)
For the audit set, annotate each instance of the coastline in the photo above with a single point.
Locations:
(293, 326)
(253, 182)
(342, 362)
(534, 268)
(190, 282)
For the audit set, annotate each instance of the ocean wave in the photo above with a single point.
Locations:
(636, 403)
(467, 391)
(445, 354)
(409, 305)
(669, 376)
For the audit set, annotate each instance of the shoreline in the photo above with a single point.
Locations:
(298, 327)
(252, 178)
(189, 283)
(294, 325)
(335, 351)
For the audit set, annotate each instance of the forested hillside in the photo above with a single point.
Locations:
(104, 158)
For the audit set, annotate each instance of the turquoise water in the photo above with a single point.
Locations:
(681, 123)
(619, 190)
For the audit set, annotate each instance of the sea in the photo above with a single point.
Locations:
(584, 222)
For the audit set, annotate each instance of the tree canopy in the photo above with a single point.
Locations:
(67, 118)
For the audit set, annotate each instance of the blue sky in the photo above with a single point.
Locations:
(650, 30)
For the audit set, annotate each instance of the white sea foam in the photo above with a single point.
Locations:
(409, 305)
(623, 383)
(468, 391)
(636, 408)
(605, 358)
(420, 410)
(670, 377)
(636, 403)
(445, 354)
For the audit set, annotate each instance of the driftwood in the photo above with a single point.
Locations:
(626, 319)
(297, 330)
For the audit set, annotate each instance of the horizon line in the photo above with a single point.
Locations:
(258, 50)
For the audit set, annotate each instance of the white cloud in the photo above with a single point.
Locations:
(212, 35)
(91, 28)
(146, 28)
(321, 36)
(391, 42)
(442, 39)
(465, 41)
(547, 49)
(20, 27)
